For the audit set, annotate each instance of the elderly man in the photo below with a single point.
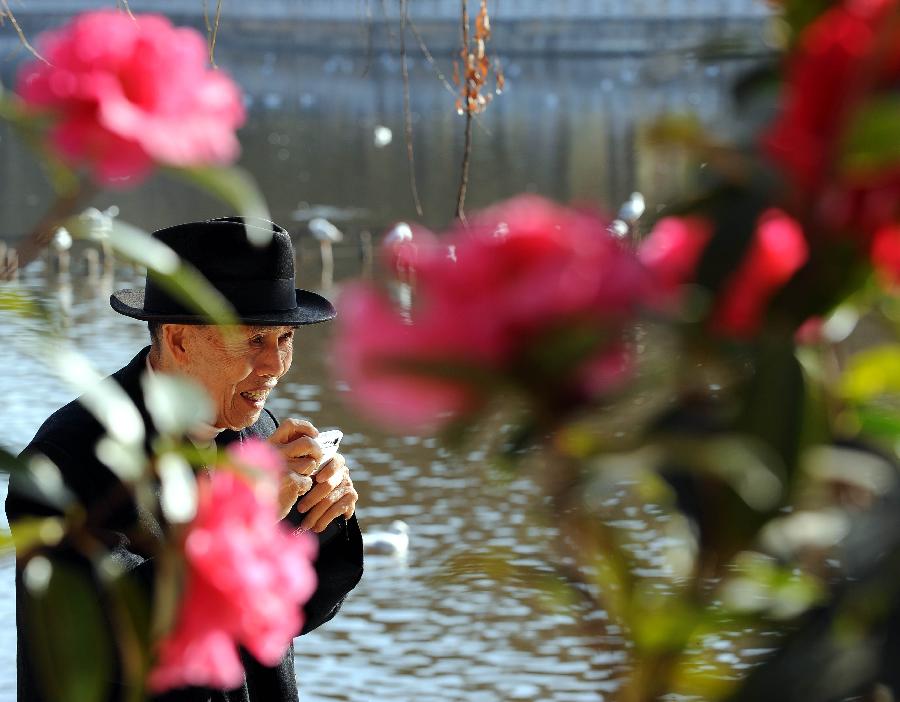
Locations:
(238, 367)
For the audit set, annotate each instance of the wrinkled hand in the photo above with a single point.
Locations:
(331, 496)
(294, 440)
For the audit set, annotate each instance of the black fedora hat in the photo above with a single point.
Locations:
(258, 281)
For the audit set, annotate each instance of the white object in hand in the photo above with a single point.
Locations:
(392, 542)
(329, 441)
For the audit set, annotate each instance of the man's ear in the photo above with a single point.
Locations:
(174, 342)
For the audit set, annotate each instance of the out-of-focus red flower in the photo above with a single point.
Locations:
(886, 255)
(777, 251)
(673, 249)
(810, 332)
(247, 577)
(373, 336)
(842, 60)
(128, 93)
(518, 274)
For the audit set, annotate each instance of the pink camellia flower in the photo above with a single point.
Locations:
(777, 251)
(247, 577)
(127, 93)
(856, 45)
(885, 256)
(491, 300)
(673, 249)
(373, 336)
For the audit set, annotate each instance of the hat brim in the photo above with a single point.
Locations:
(311, 309)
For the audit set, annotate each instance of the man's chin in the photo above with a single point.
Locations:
(242, 421)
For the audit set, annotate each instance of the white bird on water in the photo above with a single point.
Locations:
(326, 234)
(632, 209)
(394, 541)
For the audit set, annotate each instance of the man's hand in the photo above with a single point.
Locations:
(294, 440)
(331, 496)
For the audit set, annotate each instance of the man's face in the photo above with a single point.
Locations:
(238, 367)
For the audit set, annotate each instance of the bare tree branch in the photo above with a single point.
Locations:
(7, 12)
(407, 113)
(430, 58)
(467, 148)
(124, 4)
(370, 29)
(214, 31)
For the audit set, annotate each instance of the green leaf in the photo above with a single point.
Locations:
(800, 13)
(747, 465)
(873, 139)
(37, 480)
(19, 302)
(658, 621)
(71, 642)
(879, 422)
(175, 404)
(774, 399)
(29, 534)
(236, 187)
(873, 372)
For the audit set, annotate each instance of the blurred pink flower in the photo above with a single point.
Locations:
(778, 250)
(885, 256)
(126, 94)
(673, 249)
(811, 332)
(247, 577)
(371, 335)
(490, 301)
(856, 45)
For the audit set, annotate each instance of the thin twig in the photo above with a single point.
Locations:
(214, 34)
(22, 38)
(430, 58)
(370, 30)
(407, 112)
(206, 18)
(467, 149)
(126, 7)
(464, 176)
(386, 12)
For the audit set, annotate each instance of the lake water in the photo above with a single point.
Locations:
(316, 139)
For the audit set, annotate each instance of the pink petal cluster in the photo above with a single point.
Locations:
(247, 578)
(886, 256)
(855, 46)
(777, 251)
(673, 249)
(485, 297)
(128, 93)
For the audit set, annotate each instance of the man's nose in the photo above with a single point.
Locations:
(270, 361)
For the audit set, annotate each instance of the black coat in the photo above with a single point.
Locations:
(68, 438)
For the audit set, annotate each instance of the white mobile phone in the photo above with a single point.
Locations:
(329, 441)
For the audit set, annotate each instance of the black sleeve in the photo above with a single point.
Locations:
(339, 564)
(339, 567)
